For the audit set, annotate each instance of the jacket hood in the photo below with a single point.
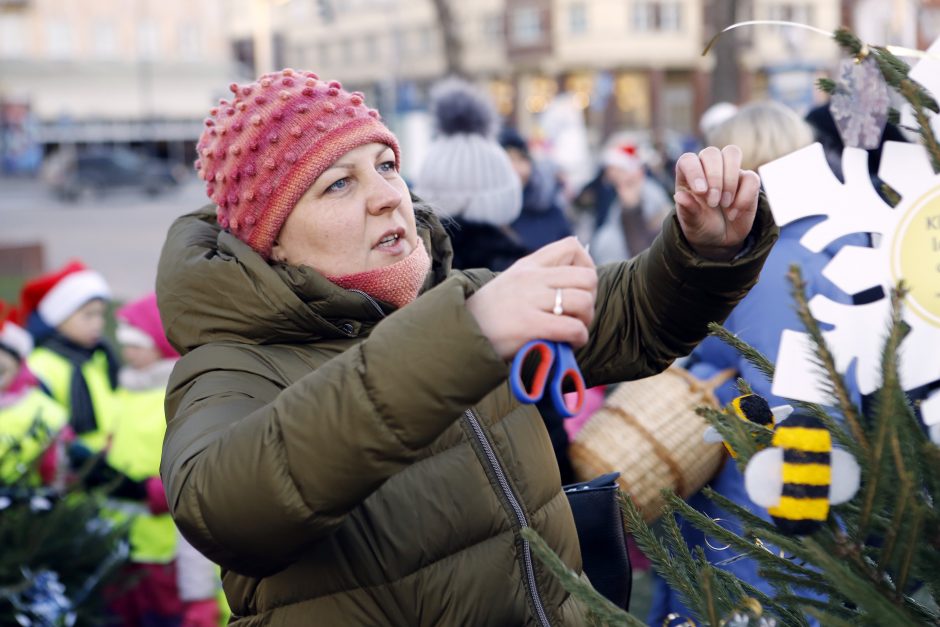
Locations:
(212, 287)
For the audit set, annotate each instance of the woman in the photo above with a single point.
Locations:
(348, 450)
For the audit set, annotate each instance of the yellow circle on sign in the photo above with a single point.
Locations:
(915, 256)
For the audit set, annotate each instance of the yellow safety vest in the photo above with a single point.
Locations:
(17, 428)
(55, 372)
(135, 451)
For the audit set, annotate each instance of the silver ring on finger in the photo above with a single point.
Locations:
(558, 310)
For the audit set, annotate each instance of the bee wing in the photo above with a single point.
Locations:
(781, 413)
(845, 477)
(763, 477)
(712, 436)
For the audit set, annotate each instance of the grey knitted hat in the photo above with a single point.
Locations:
(466, 173)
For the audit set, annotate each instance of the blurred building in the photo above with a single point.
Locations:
(133, 72)
(629, 63)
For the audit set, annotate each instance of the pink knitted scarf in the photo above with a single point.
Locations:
(397, 284)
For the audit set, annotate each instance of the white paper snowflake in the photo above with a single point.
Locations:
(908, 246)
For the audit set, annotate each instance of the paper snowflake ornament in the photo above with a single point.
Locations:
(908, 247)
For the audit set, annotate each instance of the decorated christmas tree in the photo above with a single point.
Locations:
(854, 535)
(58, 547)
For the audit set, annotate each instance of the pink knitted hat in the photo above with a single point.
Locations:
(139, 321)
(263, 149)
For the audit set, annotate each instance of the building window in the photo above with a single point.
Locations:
(147, 40)
(372, 47)
(190, 42)
(526, 26)
(493, 28)
(347, 50)
(657, 16)
(426, 39)
(791, 12)
(324, 53)
(104, 40)
(577, 18)
(12, 40)
(58, 39)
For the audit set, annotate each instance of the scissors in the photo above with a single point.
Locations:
(555, 367)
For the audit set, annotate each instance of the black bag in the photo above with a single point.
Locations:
(599, 521)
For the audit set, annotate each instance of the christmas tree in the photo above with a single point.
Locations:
(59, 549)
(872, 560)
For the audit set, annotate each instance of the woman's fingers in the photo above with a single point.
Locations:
(731, 169)
(564, 252)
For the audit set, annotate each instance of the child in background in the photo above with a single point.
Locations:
(174, 583)
(29, 419)
(65, 313)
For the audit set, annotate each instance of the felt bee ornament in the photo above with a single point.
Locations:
(800, 475)
(752, 408)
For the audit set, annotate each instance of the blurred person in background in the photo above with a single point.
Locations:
(764, 131)
(166, 582)
(622, 209)
(341, 434)
(28, 416)
(65, 313)
(543, 219)
(469, 179)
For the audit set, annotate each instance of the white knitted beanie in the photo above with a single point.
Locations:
(466, 173)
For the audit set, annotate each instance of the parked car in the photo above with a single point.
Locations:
(73, 174)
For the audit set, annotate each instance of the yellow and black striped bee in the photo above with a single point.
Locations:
(798, 477)
(753, 408)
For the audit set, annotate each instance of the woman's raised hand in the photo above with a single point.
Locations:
(519, 305)
(716, 201)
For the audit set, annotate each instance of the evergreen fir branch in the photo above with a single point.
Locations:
(605, 611)
(706, 575)
(762, 556)
(865, 593)
(743, 386)
(744, 437)
(786, 614)
(678, 576)
(752, 355)
(890, 195)
(829, 619)
(757, 525)
(816, 584)
(894, 117)
(925, 130)
(833, 426)
(861, 447)
(912, 541)
(826, 85)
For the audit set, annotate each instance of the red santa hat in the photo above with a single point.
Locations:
(57, 295)
(621, 151)
(13, 337)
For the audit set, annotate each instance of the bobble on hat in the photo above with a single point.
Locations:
(466, 173)
(272, 141)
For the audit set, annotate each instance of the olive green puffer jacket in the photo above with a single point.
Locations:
(350, 465)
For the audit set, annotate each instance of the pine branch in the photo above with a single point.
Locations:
(913, 540)
(598, 605)
(826, 85)
(865, 593)
(744, 437)
(655, 550)
(861, 446)
(707, 525)
(752, 355)
(816, 584)
(743, 387)
(786, 614)
(829, 619)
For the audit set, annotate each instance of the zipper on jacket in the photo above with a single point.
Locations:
(371, 301)
(517, 508)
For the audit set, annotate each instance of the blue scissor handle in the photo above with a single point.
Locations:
(556, 365)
